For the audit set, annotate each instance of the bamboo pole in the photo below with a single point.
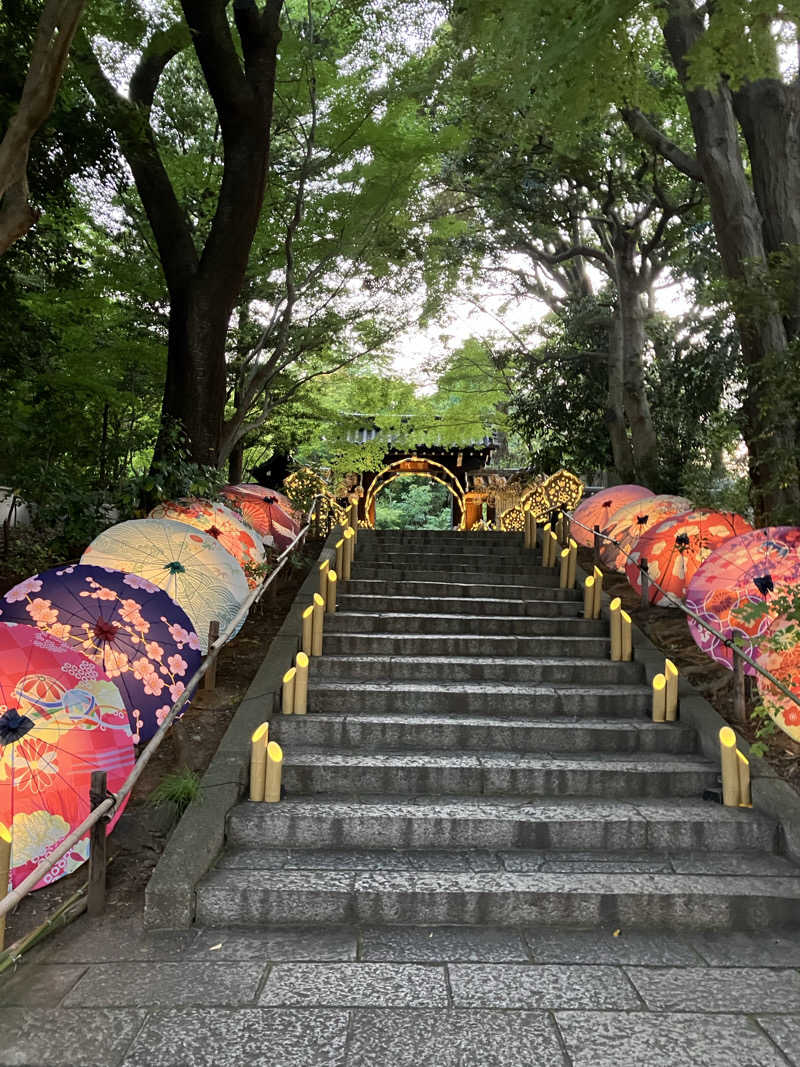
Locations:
(347, 562)
(5, 867)
(301, 684)
(615, 624)
(287, 692)
(317, 625)
(671, 674)
(528, 529)
(573, 564)
(272, 782)
(730, 767)
(553, 550)
(354, 518)
(330, 599)
(626, 635)
(659, 685)
(598, 592)
(588, 598)
(339, 546)
(324, 567)
(258, 761)
(308, 629)
(745, 799)
(563, 575)
(546, 544)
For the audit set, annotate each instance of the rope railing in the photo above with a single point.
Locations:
(735, 650)
(111, 804)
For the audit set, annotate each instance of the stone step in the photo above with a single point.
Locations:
(482, 538)
(326, 770)
(453, 547)
(533, 588)
(475, 563)
(674, 901)
(465, 733)
(479, 625)
(387, 644)
(475, 669)
(448, 573)
(488, 698)
(422, 605)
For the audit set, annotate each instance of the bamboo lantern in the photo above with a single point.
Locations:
(588, 598)
(598, 592)
(573, 563)
(671, 674)
(553, 550)
(258, 761)
(626, 635)
(615, 622)
(659, 698)
(324, 567)
(563, 576)
(317, 625)
(287, 693)
(730, 767)
(330, 599)
(349, 544)
(301, 684)
(5, 867)
(546, 545)
(308, 629)
(339, 555)
(528, 530)
(272, 790)
(745, 800)
(354, 518)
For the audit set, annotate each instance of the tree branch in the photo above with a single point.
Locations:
(648, 134)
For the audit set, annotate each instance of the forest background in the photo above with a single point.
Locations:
(236, 221)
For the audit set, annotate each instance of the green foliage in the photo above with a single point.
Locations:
(410, 503)
(177, 791)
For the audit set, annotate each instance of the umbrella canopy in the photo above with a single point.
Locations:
(677, 546)
(128, 626)
(193, 568)
(632, 521)
(784, 663)
(600, 509)
(228, 528)
(276, 527)
(61, 718)
(747, 570)
(261, 491)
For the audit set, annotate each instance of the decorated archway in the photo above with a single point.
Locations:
(417, 467)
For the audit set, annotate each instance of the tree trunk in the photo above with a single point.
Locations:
(614, 417)
(738, 227)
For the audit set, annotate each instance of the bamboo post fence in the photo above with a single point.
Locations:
(730, 767)
(671, 674)
(626, 636)
(287, 692)
(272, 781)
(258, 761)
(546, 544)
(324, 567)
(339, 546)
(588, 598)
(598, 592)
(330, 598)
(745, 799)
(307, 632)
(347, 562)
(615, 628)
(301, 684)
(317, 625)
(573, 563)
(659, 686)
(563, 575)
(553, 539)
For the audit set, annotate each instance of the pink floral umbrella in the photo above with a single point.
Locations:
(600, 509)
(61, 718)
(634, 520)
(130, 627)
(783, 662)
(224, 525)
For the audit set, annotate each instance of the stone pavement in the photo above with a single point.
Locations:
(105, 993)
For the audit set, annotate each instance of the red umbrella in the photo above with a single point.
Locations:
(784, 662)
(677, 546)
(599, 510)
(275, 526)
(634, 520)
(261, 491)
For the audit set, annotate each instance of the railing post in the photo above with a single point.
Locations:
(645, 580)
(96, 898)
(210, 678)
(596, 546)
(739, 698)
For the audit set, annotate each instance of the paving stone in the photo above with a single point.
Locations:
(547, 987)
(453, 1039)
(58, 1038)
(742, 949)
(434, 943)
(600, 946)
(279, 943)
(107, 940)
(785, 1032)
(220, 1038)
(355, 985)
(762, 865)
(166, 985)
(35, 984)
(586, 862)
(708, 989)
(644, 1039)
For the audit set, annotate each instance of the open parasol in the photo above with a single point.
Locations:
(130, 627)
(252, 489)
(632, 521)
(677, 546)
(196, 572)
(600, 509)
(784, 662)
(224, 525)
(61, 718)
(277, 527)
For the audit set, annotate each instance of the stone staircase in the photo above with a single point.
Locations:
(472, 756)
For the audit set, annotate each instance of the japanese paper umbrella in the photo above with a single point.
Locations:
(130, 627)
(744, 573)
(600, 509)
(677, 546)
(634, 520)
(60, 719)
(274, 525)
(784, 663)
(283, 501)
(228, 528)
(199, 575)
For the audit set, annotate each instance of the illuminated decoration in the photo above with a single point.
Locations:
(190, 566)
(253, 489)
(482, 524)
(676, 547)
(419, 468)
(513, 520)
(564, 490)
(600, 509)
(537, 502)
(632, 522)
(224, 525)
(126, 625)
(301, 488)
(743, 573)
(61, 718)
(276, 527)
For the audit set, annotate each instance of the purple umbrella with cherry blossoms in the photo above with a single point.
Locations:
(127, 625)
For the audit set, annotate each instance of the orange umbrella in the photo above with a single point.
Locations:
(598, 510)
(261, 491)
(630, 522)
(677, 546)
(276, 527)
(784, 663)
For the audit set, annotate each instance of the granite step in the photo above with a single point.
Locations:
(475, 563)
(568, 606)
(451, 573)
(534, 587)
(510, 669)
(388, 644)
(494, 773)
(455, 549)
(465, 733)
(408, 623)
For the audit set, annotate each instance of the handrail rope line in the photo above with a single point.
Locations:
(736, 651)
(107, 807)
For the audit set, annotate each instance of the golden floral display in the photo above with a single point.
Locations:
(513, 520)
(564, 490)
(303, 485)
(537, 502)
